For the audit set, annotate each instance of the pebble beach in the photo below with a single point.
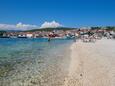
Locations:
(92, 64)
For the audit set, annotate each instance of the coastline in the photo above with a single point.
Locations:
(92, 64)
(39, 63)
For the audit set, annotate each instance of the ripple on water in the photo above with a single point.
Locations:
(36, 63)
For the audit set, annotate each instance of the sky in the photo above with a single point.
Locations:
(27, 14)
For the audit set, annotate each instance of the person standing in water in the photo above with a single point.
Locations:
(75, 36)
(49, 39)
(49, 36)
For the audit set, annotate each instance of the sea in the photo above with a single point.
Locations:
(34, 62)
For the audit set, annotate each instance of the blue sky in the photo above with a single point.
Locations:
(70, 13)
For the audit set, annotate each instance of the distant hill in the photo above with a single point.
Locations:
(10, 30)
(51, 29)
(40, 29)
(106, 28)
(58, 28)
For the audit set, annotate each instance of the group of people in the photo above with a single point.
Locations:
(92, 36)
(86, 36)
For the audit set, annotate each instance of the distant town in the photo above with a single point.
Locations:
(60, 32)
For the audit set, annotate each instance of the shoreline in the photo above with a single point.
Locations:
(92, 64)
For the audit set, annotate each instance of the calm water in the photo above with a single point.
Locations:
(34, 62)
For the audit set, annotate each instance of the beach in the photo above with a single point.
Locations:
(58, 63)
(92, 64)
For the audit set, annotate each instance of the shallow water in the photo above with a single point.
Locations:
(33, 62)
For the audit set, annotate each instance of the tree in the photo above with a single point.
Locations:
(110, 28)
(1, 33)
(95, 28)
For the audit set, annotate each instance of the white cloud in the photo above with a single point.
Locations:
(6, 26)
(19, 26)
(25, 26)
(52, 24)
(85, 28)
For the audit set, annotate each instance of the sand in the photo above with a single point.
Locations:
(92, 64)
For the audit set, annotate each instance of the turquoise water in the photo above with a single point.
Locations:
(34, 62)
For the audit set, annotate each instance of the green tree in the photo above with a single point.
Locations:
(1, 33)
